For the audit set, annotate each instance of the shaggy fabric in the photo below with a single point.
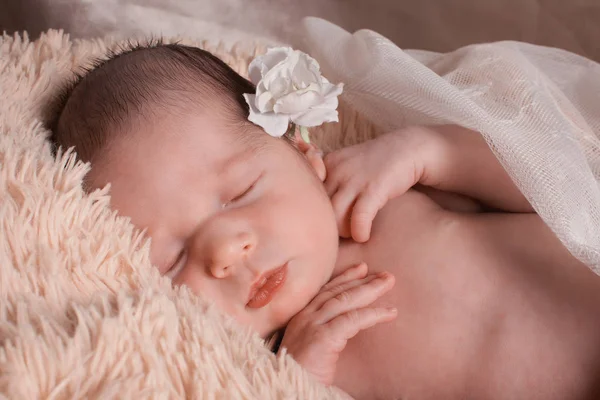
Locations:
(83, 314)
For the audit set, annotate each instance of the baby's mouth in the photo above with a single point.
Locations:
(265, 288)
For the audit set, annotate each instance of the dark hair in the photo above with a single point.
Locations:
(139, 80)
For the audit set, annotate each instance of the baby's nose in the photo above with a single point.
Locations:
(228, 252)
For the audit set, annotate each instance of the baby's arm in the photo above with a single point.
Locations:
(361, 179)
(460, 161)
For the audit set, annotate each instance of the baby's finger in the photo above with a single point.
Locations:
(333, 159)
(363, 213)
(326, 295)
(331, 184)
(358, 271)
(346, 326)
(342, 202)
(355, 297)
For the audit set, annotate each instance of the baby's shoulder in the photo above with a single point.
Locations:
(408, 226)
(406, 216)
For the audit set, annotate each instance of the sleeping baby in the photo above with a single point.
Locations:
(406, 267)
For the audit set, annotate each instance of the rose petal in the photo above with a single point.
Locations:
(260, 88)
(315, 117)
(330, 103)
(259, 67)
(305, 72)
(311, 64)
(274, 124)
(276, 55)
(255, 70)
(280, 86)
(330, 90)
(250, 100)
(301, 78)
(281, 69)
(296, 102)
(264, 102)
(314, 87)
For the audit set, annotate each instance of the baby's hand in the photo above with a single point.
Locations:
(316, 336)
(362, 178)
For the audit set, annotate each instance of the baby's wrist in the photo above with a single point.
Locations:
(446, 152)
(430, 149)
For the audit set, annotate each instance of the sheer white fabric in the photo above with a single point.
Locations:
(538, 108)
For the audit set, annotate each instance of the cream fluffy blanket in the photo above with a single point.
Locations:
(83, 314)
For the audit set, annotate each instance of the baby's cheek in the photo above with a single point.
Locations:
(187, 277)
(306, 291)
(280, 318)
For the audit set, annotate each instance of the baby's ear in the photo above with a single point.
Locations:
(313, 155)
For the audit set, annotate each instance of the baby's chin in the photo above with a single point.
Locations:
(286, 311)
(306, 278)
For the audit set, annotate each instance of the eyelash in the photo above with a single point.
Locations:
(174, 269)
(241, 195)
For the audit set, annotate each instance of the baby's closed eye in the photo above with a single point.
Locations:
(176, 265)
(241, 193)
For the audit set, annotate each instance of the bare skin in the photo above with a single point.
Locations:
(490, 305)
(484, 311)
(484, 305)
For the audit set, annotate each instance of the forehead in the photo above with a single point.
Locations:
(191, 140)
(170, 161)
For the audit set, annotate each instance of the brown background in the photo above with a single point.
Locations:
(439, 25)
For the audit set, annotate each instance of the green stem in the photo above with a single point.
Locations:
(304, 134)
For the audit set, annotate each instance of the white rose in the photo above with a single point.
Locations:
(289, 87)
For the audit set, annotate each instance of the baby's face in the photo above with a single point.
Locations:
(225, 210)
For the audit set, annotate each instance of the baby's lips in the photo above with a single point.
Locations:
(267, 287)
